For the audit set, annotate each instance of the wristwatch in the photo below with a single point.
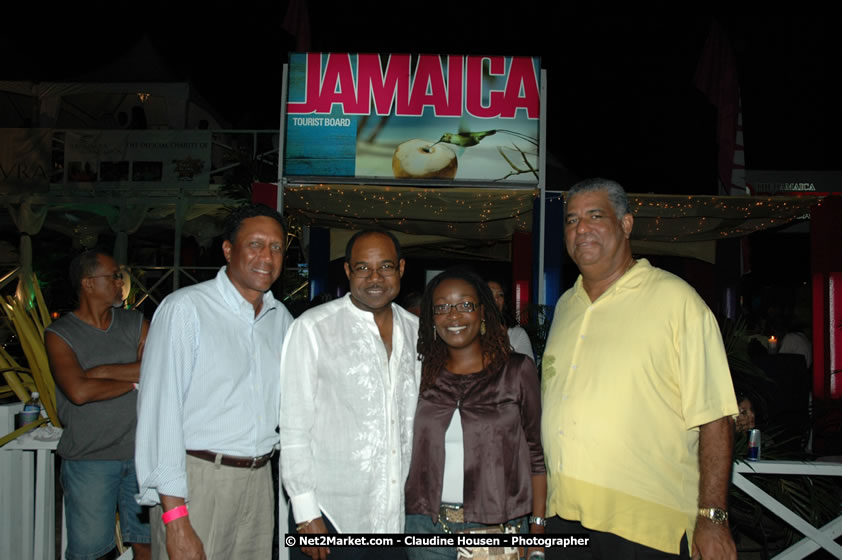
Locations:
(537, 521)
(716, 515)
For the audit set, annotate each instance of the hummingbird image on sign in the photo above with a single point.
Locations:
(468, 139)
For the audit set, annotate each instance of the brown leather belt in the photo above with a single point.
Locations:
(229, 461)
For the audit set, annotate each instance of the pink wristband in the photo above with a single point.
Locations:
(173, 514)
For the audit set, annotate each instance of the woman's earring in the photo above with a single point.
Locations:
(434, 333)
(482, 327)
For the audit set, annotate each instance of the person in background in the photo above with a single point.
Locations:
(94, 354)
(412, 303)
(518, 337)
(476, 456)
(746, 419)
(796, 342)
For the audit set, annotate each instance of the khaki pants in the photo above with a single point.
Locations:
(232, 511)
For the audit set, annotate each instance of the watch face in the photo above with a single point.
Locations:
(716, 515)
(719, 515)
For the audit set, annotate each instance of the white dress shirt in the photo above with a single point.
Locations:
(346, 416)
(208, 381)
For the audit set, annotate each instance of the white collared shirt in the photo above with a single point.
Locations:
(346, 416)
(208, 381)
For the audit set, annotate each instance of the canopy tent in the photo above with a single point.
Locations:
(439, 224)
(689, 226)
(438, 218)
(664, 224)
(457, 213)
(103, 106)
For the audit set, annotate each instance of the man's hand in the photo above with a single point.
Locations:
(535, 529)
(182, 541)
(716, 439)
(712, 541)
(315, 527)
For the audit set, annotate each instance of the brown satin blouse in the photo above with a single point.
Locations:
(501, 425)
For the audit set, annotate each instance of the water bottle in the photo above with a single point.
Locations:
(31, 409)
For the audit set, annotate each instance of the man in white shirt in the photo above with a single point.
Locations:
(349, 386)
(208, 401)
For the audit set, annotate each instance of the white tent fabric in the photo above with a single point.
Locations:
(29, 222)
(98, 105)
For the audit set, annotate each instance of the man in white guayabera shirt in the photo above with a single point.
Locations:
(208, 401)
(349, 385)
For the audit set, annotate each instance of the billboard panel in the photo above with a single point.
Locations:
(405, 118)
(138, 156)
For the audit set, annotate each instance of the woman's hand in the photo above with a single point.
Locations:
(535, 553)
(535, 529)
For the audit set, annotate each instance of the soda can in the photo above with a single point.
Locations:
(753, 444)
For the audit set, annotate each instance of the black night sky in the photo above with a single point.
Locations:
(622, 102)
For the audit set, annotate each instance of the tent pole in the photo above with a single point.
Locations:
(180, 212)
(282, 139)
(542, 187)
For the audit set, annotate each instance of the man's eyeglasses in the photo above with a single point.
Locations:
(365, 271)
(114, 275)
(464, 307)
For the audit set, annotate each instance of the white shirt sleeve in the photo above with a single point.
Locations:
(520, 342)
(299, 359)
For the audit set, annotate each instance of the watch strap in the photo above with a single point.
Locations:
(716, 515)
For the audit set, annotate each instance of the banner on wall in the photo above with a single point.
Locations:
(763, 182)
(25, 157)
(138, 157)
(405, 118)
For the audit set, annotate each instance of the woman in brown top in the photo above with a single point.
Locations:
(476, 458)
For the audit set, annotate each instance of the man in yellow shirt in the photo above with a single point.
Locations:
(637, 399)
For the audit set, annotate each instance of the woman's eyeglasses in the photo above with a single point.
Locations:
(464, 307)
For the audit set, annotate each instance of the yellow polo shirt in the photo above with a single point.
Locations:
(627, 381)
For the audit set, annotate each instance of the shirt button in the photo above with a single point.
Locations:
(574, 366)
(582, 337)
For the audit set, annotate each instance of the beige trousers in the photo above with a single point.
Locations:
(231, 509)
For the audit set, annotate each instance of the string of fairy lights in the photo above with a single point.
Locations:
(657, 217)
(704, 217)
(349, 204)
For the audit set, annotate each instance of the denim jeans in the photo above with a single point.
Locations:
(423, 525)
(93, 491)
